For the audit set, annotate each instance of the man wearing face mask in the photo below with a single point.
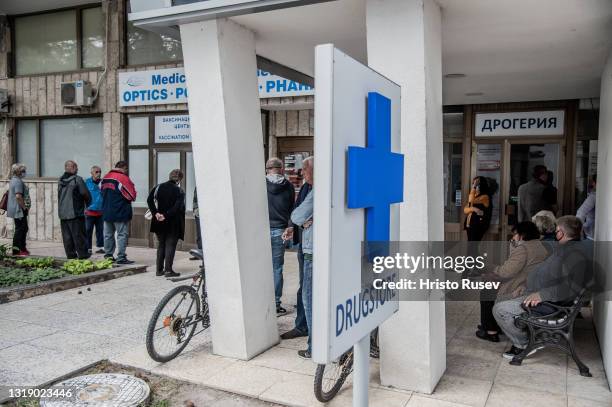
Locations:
(558, 279)
(167, 205)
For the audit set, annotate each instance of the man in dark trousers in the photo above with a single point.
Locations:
(118, 193)
(167, 205)
(73, 197)
(280, 203)
(301, 327)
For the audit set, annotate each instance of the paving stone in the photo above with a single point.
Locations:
(551, 378)
(377, 398)
(503, 395)
(472, 367)
(284, 359)
(201, 368)
(462, 390)
(421, 401)
(100, 346)
(295, 389)
(48, 317)
(250, 380)
(34, 366)
(17, 331)
(480, 349)
(579, 402)
(592, 388)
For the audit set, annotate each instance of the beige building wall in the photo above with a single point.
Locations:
(38, 95)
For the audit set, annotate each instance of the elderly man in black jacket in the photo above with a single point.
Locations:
(167, 205)
(72, 199)
(558, 279)
(280, 203)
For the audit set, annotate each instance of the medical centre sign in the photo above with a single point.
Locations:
(169, 86)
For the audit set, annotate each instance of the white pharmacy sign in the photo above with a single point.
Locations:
(168, 86)
(343, 312)
(541, 123)
(172, 129)
(274, 86)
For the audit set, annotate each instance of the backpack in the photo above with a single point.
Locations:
(4, 201)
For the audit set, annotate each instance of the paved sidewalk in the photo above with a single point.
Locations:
(48, 336)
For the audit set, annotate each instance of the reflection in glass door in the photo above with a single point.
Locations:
(522, 159)
(166, 162)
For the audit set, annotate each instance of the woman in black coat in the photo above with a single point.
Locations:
(167, 205)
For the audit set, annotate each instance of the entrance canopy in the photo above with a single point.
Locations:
(492, 50)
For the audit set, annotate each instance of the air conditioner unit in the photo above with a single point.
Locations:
(79, 93)
(5, 102)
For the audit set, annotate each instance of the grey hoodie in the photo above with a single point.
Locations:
(72, 197)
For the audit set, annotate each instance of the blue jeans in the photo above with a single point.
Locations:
(98, 223)
(300, 317)
(278, 260)
(109, 239)
(307, 295)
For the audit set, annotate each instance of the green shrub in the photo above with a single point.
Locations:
(6, 250)
(76, 266)
(20, 276)
(36, 262)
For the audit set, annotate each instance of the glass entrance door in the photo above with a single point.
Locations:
(165, 160)
(489, 159)
(521, 159)
(508, 164)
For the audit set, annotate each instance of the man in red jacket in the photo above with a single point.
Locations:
(118, 193)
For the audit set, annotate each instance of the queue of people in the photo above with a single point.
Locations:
(292, 220)
(536, 271)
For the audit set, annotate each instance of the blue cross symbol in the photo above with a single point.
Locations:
(375, 175)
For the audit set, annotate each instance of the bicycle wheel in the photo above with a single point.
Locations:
(329, 378)
(173, 323)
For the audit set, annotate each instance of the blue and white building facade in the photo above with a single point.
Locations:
(488, 87)
(140, 113)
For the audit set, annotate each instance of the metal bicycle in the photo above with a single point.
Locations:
(178, 314)
(330, 377)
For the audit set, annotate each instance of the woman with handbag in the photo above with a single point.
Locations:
(167, 207)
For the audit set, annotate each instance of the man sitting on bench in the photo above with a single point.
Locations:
(558, 279)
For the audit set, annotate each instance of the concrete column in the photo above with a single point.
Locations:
(602, 305)
(404, 44)
(228, 153)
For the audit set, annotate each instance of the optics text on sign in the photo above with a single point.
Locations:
(169, 86)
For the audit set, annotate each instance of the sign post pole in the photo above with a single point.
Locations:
(361, 374)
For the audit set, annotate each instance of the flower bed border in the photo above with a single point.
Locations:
(22, 292)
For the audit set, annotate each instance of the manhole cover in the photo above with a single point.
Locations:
(101, 390)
